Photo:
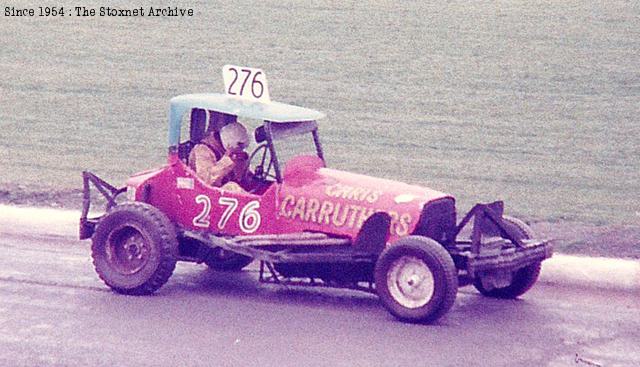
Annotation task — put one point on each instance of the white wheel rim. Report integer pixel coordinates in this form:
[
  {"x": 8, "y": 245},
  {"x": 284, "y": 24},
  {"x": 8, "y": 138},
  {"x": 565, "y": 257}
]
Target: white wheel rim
[{"x": 410, "y": 282}]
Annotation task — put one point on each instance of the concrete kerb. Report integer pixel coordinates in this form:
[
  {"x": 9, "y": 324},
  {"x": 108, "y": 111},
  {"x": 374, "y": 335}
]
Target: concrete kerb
[
  {"x": 39, "y": 221},
  {"x": 561, "y": 270},
  {"x": 591, "y": 272}
]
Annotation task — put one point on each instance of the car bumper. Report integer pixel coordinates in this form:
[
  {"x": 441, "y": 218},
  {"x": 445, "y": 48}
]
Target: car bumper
[{"x": 510, "y": 258}]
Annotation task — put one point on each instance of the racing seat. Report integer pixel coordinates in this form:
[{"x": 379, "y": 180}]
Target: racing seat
[
  {"x": 196, "y": 133},
  {"x": 198, "y": 129}
]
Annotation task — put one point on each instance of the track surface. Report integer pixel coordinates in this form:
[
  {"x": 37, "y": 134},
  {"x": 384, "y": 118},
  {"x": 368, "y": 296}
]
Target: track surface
[{"x": 55, "y": 311}]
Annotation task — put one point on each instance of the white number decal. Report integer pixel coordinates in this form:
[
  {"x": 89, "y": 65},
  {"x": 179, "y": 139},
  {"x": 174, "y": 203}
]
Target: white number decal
[
  {"x": 237, "y": 80},
  {"x": 250, "y": 217},
  {"x": 231, "y": 204},
  {"x": 202, "y": 219},
  {"x": 249, "y": 220}
]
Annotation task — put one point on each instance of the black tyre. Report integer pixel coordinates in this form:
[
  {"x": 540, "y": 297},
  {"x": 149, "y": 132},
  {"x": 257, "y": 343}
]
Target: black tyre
[
  {"x": 524, "y": 278},
  {"x": 416, "y": 279},
  {"x": 134, "y": 249},
  {"x": 222, "y": 260}
]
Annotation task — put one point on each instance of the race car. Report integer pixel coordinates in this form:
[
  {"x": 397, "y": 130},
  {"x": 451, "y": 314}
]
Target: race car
[{"x": 303, "y": 222}]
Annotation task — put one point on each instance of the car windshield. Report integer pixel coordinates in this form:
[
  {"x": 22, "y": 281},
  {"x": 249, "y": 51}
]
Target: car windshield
[
  {"x": 291, "y": 139},
  {"x": 294, "y": 146}
]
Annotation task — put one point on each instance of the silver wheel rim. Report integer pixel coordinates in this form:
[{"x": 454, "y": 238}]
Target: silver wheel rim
[{"x": 410, "y": 282}]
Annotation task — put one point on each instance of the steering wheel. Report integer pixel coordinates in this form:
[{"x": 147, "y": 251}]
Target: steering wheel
[{"x": 260, "y": 171}]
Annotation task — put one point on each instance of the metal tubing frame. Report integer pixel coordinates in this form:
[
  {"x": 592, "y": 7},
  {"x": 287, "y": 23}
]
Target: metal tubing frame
[
  {"x": 108, "y": 191},
  {"x": 486, "y": 212},
  {"x": 256, "y": 249},
  {"x": 273, "y": 278},
  {"x": 272, "y": 151}
]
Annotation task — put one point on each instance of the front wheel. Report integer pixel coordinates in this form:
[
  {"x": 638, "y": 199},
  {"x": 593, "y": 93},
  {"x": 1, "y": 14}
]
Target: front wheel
[
  {"x": 416, "y": 279},
  {"x": 134, "y": 248},
  {"x": 524, "y": 278}
]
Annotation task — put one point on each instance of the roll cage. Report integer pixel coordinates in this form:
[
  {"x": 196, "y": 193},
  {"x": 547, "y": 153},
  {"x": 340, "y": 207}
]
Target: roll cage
[{"x": 279, "y": 121}]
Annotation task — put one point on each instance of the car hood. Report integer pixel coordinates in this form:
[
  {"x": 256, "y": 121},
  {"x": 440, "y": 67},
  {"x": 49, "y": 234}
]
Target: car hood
[{"x": 342, "y": 201}]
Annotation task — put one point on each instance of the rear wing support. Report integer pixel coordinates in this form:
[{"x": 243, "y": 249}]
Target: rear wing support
[{"x": 108, "y": 191}]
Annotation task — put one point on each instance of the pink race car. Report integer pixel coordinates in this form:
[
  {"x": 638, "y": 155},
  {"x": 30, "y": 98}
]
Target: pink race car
[{"x": 305, "y": 223}]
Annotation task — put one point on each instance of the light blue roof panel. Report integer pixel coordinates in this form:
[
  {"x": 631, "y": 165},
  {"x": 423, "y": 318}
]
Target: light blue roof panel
[{"x": 271, "y": 111}]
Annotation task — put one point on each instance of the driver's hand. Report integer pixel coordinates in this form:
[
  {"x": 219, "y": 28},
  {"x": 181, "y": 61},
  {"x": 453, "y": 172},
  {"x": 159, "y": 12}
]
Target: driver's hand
[{"x": 239, "y": 156}]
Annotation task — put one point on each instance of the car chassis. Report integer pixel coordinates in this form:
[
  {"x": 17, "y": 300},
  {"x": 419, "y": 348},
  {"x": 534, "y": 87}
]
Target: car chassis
[
  {"x": 500, "y": 257},
  {"x": 471, "y": 256}
]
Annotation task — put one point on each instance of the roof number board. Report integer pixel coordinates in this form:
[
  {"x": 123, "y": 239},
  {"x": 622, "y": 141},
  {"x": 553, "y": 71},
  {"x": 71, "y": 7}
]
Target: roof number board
[{"x": 244, "y": 82}]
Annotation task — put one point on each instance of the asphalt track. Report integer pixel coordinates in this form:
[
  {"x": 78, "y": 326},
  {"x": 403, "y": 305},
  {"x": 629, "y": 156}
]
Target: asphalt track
[{"x": 54, "y": 311}]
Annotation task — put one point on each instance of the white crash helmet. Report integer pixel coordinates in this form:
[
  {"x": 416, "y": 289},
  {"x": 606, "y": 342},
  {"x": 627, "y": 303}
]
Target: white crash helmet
[{"x": 234, "y": 137}]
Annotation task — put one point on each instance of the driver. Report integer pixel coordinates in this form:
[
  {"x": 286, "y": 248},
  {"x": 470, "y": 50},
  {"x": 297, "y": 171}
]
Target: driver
[{"x": 220, "y": 160}]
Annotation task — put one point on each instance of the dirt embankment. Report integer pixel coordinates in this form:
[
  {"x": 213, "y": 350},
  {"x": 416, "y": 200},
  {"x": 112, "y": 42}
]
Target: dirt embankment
[
  {"x": 22, "y": 195},
  {"x": 610, "y": 240}
]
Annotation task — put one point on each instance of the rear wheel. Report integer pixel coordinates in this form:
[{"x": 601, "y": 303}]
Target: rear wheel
[
  {"x": 416, "y": 279},
  {"x": 524, "y": 278},
  {"x": 134, "y": 249}
]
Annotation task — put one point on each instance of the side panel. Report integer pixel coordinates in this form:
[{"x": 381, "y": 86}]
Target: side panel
[
  {"x": 331, "y": 201},
  {"x": 310, "y": 199},
  {"x": 320, "y": 207},
  {"x": 194, "y": 205}
]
